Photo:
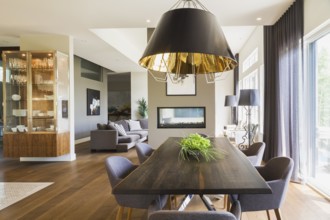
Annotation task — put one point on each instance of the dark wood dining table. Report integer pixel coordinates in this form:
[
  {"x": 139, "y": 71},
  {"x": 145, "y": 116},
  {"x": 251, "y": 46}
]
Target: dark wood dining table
[{"x": 164, "y": 172}]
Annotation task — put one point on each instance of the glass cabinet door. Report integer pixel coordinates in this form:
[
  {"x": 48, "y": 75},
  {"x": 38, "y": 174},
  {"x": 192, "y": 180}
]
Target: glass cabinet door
[
  {"x": 42, "y": 91},
  {"x": 15, "y": 80}
]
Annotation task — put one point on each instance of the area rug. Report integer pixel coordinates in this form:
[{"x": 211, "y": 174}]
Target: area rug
[{"x": 12, "y": 192}]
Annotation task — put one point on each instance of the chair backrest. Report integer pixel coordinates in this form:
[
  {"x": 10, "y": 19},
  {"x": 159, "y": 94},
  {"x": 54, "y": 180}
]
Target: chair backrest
[
  {"x": 278, "y": 168},
  {"x": 203, "y": 135},
  {"x": 118, "y": 168},
  {"x": 234, "y": 214},
  {"x": 143, "y": 151},
  {"x": 255, "y": 153}
]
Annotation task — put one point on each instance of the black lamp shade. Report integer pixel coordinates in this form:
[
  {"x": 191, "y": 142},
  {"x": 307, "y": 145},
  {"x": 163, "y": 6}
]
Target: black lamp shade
[
  {"x": 230, "y": 100},
  {"x": 187, "y": 41},
  {"x": 249, "y": 97}
]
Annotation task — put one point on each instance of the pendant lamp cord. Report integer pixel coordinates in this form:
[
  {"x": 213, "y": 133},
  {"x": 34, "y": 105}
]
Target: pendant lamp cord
[{"x": 188, "y": 4}]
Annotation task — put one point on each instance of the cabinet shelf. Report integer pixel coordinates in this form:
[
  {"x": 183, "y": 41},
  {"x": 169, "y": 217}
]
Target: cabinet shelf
[
  {"x": 45, "y": 77},
  {"x": 43, "y": 117},
  {"x": 42, "y": 99},
  {"x": 42, "y": 69}
]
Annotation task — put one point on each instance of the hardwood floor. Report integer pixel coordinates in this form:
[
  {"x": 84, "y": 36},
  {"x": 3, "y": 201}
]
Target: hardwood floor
[{"x": 81, "y": 191}]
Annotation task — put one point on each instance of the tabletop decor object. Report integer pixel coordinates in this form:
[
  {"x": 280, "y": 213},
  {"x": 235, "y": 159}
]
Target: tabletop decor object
[
  {"x": 16, "y": 97},
  {"x": 196, "y": 147}
]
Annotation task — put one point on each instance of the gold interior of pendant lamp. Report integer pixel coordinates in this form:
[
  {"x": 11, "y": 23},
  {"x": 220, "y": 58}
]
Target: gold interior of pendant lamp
[{"x": 188, "y": 40}]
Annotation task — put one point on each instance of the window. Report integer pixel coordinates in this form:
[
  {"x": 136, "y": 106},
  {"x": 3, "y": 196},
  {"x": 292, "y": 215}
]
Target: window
[
  {"x": 250, "y": 60},
  {"x": 318, "y": 70},
  {"x": 249, "y": 82},
  {"x": 91, "y": 70}
]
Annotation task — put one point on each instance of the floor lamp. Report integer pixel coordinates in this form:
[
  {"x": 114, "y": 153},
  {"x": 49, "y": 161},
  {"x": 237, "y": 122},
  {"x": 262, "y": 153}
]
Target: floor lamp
[
  {"x": 231, "y": 101},
  {"x": 248, "y": 98}
]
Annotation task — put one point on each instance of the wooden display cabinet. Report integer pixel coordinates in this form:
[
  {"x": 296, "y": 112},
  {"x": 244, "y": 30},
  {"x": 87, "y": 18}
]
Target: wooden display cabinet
[{"x": 35, "y": 84}]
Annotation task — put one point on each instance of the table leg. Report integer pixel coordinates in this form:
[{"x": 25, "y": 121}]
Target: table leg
[
  {"x": 185, "y": 202},
  {"x": 208, "y": 203}
]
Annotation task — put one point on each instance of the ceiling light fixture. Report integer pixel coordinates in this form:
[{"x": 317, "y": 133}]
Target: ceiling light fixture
[{"x": 187, "y": 40}]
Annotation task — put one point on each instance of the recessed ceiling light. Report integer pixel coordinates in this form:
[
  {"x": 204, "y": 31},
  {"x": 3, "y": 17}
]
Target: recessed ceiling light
[
  {"x": 148, "y": 21},
  {"x": 259, "y": 19}
]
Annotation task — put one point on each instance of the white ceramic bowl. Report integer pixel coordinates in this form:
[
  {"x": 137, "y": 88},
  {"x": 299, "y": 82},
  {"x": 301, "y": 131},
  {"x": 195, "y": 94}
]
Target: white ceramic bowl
[
  {"x": 16, "y": 97},
  {"x": 14, "y": 129}
]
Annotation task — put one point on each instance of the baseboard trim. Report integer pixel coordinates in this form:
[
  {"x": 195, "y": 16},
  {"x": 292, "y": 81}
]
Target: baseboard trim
[{"x": 82, "y": 140}]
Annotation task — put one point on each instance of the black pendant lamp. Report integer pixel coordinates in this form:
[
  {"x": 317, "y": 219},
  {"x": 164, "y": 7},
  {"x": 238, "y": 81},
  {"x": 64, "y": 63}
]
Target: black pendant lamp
[{"x": 188, "y": 41}]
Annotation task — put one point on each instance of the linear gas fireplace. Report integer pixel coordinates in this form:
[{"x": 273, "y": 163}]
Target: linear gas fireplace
[{"x": 181, "y": 117}]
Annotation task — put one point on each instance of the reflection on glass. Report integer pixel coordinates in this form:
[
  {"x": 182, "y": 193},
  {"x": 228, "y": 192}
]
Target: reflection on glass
[{"x": 320, "y": 163}]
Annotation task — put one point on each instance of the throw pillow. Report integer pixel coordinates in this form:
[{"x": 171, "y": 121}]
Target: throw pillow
[
  {"x": 111, "y": 126},
  {"x": 101, "y": 126},
  {"x": 134, "y": 125},
  {"x": 121, "y": 130}
]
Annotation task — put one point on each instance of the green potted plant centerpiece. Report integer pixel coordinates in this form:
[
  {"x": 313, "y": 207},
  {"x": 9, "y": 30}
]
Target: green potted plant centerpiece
[{"x": 194, "y": 146}]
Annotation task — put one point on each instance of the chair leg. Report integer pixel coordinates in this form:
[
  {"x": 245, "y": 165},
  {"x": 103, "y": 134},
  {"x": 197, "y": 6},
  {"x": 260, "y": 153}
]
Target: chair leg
[
  {"x": 278, "y": 214},
  {"x": 129, "y": 213},
  {"x": 227, "y": 202},
  {"x": 268, "y": 215},
  {"x": 175, "y": 201},
  {"x": 169, "y": 202},
  {"x": 120, "y": 213}
]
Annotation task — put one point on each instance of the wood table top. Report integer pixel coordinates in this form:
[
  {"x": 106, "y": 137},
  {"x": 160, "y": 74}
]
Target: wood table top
[{"x": 165, "y": 173}]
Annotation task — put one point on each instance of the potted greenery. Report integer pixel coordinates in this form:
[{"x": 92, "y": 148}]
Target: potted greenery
[
  {"x": 143, "y": 108},
  {"x": 194, "y": 146}
]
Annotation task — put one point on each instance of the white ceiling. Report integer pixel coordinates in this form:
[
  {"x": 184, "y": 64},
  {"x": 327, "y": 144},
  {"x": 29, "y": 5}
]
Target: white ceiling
[{"x": 113, "y": 33}]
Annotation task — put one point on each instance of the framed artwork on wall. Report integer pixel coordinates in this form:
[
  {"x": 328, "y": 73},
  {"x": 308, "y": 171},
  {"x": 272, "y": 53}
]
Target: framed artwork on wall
[
  {"x": 186, "y": 87},
  {"x": 93, "y": 102}
]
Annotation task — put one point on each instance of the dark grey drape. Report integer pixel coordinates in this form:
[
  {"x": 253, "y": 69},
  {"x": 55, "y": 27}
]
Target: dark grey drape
[{"x": 283, "y": 43}]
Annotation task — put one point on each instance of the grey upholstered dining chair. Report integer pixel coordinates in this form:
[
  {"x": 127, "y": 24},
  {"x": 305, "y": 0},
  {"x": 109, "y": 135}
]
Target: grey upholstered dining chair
[
  {"x": 203, "y": 135},
  {"x": 118, "y": 168},
  {"x": 143, "y": 151},
  {"x": 277, "y": 173},
  {"x": 255, "y": 153},
  {"x": 234, "y": 214}
]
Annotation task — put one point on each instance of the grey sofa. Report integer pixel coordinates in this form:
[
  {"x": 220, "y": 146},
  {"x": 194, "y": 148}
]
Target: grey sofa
[{"x": 106, "y": 137}]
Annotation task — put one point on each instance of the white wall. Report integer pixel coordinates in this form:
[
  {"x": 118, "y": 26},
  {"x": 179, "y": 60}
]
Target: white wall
[
  {"x": 316, "y": 12},
  {"x": 85, "y": 123},
  {"x": 223, "y": 114},
  {"x": 139, "y": 89},
  {"x": 157, "y": 98}
]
